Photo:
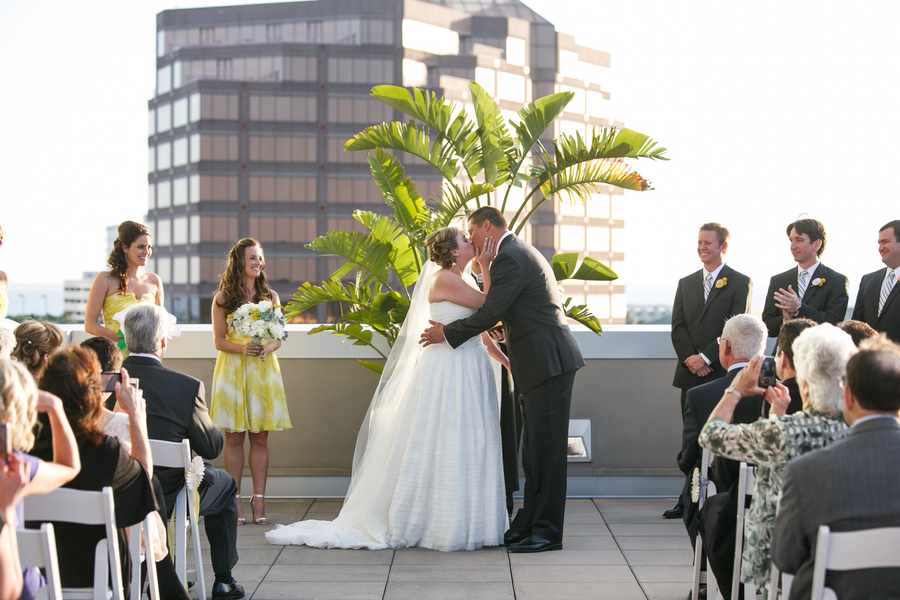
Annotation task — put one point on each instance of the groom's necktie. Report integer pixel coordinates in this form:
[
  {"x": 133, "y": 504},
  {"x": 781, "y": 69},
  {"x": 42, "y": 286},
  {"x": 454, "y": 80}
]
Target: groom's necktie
[
  {"x": 886, "y": 288},
  {"x": 801, "y": 284},
  {"x": 707, "y": 286}
]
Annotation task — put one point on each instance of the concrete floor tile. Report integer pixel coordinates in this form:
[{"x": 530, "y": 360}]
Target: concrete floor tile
[
  {"x": 643, "y": 542},
  {"x": 583, "y": 517},
  {"x": 577, "y": 529},
  {"x": 333, "y": 573},
  {"x": 447, "y": 574},
  {"x": 571, "y": 574},
  {"x": 589, "y": 542},
  {"x": 580, "y": 506},
  {"x": 422, "y": 556},
  {"x": 278, "y": 590},
  {"x": 257, "y": 556},
  {"x": 663, "y": 574},
  {"x": 569, "y": 557},
  {"x": 568, "y": 591},
  {"x": 656, "y": 529},
  {"x": 659, "y": 557},
  {"x": 304, "y": 555},
  {"x": 666, "y": 591},
  {"x": 637, "y": 516},
  {"x": 449, "y": 591}
]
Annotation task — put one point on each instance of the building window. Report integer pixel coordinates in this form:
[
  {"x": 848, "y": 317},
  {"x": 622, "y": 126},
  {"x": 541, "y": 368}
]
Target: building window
[
  {"x": 598, "y": 239},
  {"x": 218, "y": 229},
  {"x": 283, "y": 189},
  {"x": 163, "y": 156},
  {"x": 619, "y": 306},
  {"x": 218, "y": 147},
  {"x": 282, "y": 149},
  {"x": 429, "y": 38},
  {"x": 296, "y": 230},
  {"x": 179, "y": 113},
  {"x": 164, "y": 194},
  {"x": 194, "y": 101},
  {"x": 164, "y": 81},
  {"x": 160, "y": 43},
  {"x": 151, "y": 159},
  {"x": 415, "y": 73},
  {"x": 486, "y": 79},
  {"x": 195, "y": 148},
  {"x": 180, "y": 152},
  {"x": 207, "y": 36},
  {"x": 273, "y": 32},
  {"x": 151, "y": 122},
  {"x": 164, "y": 269},
  {"x": 151, "y": 196},
  {"x": 282, "y": 108},
  {"x": 224, "y": 68},
  {"x": 179, "y": 191},
  {"x": 516, "y": 51},
  {"x": 577, "y": 104},
  {"x": 599, "y": 305},
  {"x": 180, "y": 232},
  {"x": 180, "y": 270},
  {"x": 219, "y": 106},
  {"x": 194, "y": 277},
  {"x": 571, "y": 237},
  {"x": 163, "y": 235},
  {"x": 194, "y": 189},
  {"x": 176, "y": 75},
  {"x": 163, "y": 118},
  {"x": 194, "y": 229}
]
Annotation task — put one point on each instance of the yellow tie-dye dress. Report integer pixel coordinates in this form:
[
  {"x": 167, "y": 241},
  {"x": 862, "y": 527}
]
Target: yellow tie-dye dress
[
  {"x": 118, "y": 302},
  {"x": 247, "y": 392},
  {"x": 4, "y": 304}
]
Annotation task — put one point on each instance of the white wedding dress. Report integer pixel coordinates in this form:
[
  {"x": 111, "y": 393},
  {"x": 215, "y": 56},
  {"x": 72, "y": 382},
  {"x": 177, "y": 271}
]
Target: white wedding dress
[{"x": 430, "y": 471}]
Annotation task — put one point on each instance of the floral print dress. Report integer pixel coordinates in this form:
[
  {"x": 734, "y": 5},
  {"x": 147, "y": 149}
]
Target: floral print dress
[{"x": 770, "y": 444}]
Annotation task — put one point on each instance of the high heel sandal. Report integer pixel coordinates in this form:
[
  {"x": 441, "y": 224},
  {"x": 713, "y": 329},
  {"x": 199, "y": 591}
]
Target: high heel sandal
[
  {"x": 241, "y": 520},
  {"x": 261, "y": 520}
]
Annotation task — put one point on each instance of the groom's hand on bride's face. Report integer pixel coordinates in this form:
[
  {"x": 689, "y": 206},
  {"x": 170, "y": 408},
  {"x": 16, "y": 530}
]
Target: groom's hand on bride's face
[{"x": 432, "y": 335}]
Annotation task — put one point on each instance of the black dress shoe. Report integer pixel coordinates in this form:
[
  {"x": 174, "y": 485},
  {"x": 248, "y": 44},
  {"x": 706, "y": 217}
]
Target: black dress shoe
[
  {"x": 675, "y": 513},
  {"x": 227, "y": 590},
  {"x": 701, "y": 593},
  {"x": 514, "y": 537},
  {"x": 534, "y": 543}
]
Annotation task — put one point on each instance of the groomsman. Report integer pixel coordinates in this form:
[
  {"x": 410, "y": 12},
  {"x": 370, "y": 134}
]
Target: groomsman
[
  {"x": 811, "y": 289},
  {"x": 876, "y": 302},
  {"x": 703, "y": 302}
]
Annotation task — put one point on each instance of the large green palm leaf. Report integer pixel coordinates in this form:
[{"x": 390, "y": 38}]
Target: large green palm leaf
[
  {"x": 407, "y": 137},
  {"x": 496, "y": 145},
  {"x": 401, "y": 194},
  {"x": 403, "y": 258},
  {"x": 361, "y": 249},
  {"x": 454, "y": 199}
]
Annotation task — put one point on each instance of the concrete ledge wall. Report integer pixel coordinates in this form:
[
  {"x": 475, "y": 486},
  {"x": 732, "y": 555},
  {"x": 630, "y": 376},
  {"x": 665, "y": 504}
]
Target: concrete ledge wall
[{"x": 625, "y": 390}]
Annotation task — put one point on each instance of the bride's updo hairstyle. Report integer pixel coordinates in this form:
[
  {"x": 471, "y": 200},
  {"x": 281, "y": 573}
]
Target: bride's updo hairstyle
[
  {"x": 118, "y": 264},
  {"x": 439, "y": 244}
]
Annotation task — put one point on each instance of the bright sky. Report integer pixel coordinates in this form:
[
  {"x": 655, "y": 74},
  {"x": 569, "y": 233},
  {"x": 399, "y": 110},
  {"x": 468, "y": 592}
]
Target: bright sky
[{"x": 769, "y": 110}]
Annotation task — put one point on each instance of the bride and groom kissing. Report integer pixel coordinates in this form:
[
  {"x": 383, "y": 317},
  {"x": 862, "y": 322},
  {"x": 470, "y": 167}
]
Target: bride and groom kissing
[{"x": 427, "y": 466}]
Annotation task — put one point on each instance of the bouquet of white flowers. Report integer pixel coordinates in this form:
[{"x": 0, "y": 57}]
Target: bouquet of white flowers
[{"x": 264, "y": 322}]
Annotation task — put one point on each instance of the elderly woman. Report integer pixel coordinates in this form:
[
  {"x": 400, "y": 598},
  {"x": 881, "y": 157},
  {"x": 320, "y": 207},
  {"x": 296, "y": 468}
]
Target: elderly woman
[{"x": 820, "y": 356}]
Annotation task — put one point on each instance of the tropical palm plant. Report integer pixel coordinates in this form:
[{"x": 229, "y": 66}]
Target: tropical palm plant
[{"x": 476, "y": 159}]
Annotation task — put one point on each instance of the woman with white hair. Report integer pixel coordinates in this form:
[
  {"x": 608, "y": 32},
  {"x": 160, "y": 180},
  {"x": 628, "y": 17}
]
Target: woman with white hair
[{"x": 820, "y": 357}]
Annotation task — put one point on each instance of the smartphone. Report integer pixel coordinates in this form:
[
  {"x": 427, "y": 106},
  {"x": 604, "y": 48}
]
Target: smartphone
[
  {"x": 5, "y": 441},
  {"x": 109, "y": 379},
  {"x": 767, "y": 373},
  {"x": 497, "y": 327}
]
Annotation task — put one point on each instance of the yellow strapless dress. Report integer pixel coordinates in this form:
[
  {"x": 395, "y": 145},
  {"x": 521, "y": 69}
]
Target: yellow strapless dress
[
  {"x": 4, "y": 304},
  {"x": 247, "y": 393},
  {"x": 117, "y": 302}
]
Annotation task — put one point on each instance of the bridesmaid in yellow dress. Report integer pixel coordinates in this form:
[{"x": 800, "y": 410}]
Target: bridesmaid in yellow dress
[
  {"x": 247, "y": 389},
  {"x": 125, "y": 284},
  {"x": 4, "y": 287}
]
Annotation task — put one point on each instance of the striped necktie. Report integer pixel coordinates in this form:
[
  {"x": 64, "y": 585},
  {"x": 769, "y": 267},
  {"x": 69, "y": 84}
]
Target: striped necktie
[
  {"x": 707, "y": 286},
  {"x": 886, "y": 288},
  {"x": 801, "y": 284}
]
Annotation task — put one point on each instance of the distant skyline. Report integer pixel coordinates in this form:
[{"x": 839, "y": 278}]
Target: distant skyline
[{"x": 769, "y": 110}]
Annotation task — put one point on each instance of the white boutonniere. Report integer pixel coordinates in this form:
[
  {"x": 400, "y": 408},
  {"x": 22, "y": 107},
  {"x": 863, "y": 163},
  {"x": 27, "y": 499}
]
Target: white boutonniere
[
  {"x": 695, "y": 486},
  {"x": 194, "y": 475},
  {"x": 818, "y": 282},
  {"x": 722, "y": 282}
]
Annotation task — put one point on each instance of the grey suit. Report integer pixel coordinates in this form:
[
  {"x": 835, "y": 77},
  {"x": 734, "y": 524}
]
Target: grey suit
[
  {"x": 544, "y": 356},
  {"x": 825, "y": 303},
  {"x": 851, "y": 485},
  {"x": 176, "y": 410},
  {"x": 866, "y": 309}
]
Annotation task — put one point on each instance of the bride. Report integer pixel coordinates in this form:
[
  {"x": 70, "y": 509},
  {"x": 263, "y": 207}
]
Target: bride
[{"x": 427, "y": 468}]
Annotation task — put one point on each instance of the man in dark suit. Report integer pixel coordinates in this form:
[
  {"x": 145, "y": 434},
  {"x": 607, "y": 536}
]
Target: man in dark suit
[
  {"x": 704, "y": 300},
  {"x": 809, "y": 290},
  {"x": 876, "y": 301},
  {"x": 851, "y": 485},
  {"x": 784, "y": 360},
  {"x": 176, "y": 410},
  {"x": 544, "y": 357},
  {"x": 743, "y": 337}
]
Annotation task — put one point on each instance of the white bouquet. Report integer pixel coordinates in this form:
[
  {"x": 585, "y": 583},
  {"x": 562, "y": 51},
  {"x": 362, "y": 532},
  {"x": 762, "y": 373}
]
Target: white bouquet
[{"x": 264, "y": 322}]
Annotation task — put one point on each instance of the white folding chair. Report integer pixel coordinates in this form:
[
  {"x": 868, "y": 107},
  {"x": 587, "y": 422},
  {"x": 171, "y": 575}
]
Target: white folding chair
[
  {"x": 851, "y": 550},
  {"x": 85, "y": 508},
  {"x": 178, "y": 455},
  {"x": 786, "y": 580},
  {"x": 134, "y": 548},
  {"x": 37, "y": 548},
  {"x": 707, "y": 488},
  {"x": 746, "y": 483}
]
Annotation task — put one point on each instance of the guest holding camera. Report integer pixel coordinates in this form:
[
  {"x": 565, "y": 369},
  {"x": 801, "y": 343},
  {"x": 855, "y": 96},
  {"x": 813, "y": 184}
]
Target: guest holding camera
[
  {"x": 247, "y": 390},
  {"x": 820, "y": 355},
  {"x": 124, "y": 285}
]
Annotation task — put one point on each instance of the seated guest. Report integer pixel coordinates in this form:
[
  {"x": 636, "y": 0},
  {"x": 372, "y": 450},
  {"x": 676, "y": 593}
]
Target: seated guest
[
  {"x": 14, "y": 474},
  {"x": 35, "y": 342},
  {"x": 118, "y": 425},
  {"x": 857, "y": 330},
  {"x": 821, "y": 354},
  {"x": 177, "y": 410},
  {"x": 73, "y": 375},
  {"x": 743, "y": 337},
  {"x": 20, "y": 402},
  {"x": 784, "y": 360},
  {"x": 851, "y": 485},
  {"x": 7, "y": 342}
]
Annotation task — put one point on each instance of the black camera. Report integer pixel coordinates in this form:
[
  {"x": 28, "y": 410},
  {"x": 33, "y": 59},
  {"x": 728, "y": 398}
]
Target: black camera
[{"x": 767, "y": 373}]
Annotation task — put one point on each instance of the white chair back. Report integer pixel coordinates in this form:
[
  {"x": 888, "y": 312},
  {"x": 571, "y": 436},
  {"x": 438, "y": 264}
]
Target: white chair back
[
  {"x": 178, "y": 455},
  {"x": 85, "y": 508},
  {"x": 134, "y": 549},
  {"x": 746, "y": 483},
  {"x": 37, "y": 548},
  {"x": 852, "y": 550},
  {"x": 707, "y": 488}
]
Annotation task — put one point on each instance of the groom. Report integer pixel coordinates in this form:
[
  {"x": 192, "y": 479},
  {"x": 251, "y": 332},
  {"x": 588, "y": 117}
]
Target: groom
[{"x": 544, "y": 357}]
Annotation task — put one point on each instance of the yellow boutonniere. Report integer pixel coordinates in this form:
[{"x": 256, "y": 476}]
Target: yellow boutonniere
[
  {"x": 819, "y": 282},
  {"x": 722, "y": 282}
]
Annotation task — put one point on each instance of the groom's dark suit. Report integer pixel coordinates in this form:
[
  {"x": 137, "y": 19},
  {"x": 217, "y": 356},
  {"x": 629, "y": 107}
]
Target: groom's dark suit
[
  {"x": 826, "y": 303},
  {"x": 866, "y": 309},
  {"x": 544, "y": 357},
  {"x": 176, "y": 410}
]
